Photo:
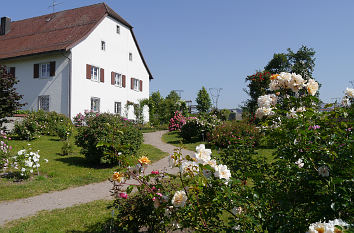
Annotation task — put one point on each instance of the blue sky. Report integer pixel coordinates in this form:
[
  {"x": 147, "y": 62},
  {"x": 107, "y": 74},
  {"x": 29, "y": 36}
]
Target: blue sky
[{"x": 193, "y": 43}]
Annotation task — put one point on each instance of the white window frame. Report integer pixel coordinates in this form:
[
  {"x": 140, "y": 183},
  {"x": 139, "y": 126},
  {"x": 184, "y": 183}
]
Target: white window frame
[
  {"x": 136, "y": 83},
  {"x": 103, "y": 45},
  {"x": 130, "y": 56},
  {"x": 44, "y": 70},
  {"x": 40, "y": 103},
  {"x": 118, "y": 81},
  {"x": 97, "y": 101},
  {"x": 95, "y": 73},
  {"x": 118, "y": 29},
  {"x": 118, "y": 110}
]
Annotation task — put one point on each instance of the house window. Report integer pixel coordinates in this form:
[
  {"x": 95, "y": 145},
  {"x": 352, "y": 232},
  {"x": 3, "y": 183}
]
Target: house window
[
  {"x": 130, "y": 57},
  {"x": 135, "y": 84},
  {"x": 44, "y": 70},
  {"x": 43, "y": 103},
  {"x": 118, "y": 29},
  {"x": 103, "y": 46},
  {"x": 95, "y": 73},
  {"x": 95, "y": 104},
  {"x": 118, "y": 80},
  {"x": 117, "y": 108}
]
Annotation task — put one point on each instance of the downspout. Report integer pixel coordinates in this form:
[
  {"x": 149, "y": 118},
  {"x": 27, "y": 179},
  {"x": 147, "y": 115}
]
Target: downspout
[{"x": 69, "y": 84}]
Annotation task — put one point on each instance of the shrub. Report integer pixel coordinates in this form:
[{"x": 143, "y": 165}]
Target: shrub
[
  {"x": 26, "y": 129},
  {"x": 197, "y": 128},
  {"x": 108, "y": 138},
  {"x": 234, "y": 133},
  {"x": 202, "y": 197},
  {"x": 44, "y": 123},
  {"x": 176, "y": 122},
  {"x": 5, "y": 150}
]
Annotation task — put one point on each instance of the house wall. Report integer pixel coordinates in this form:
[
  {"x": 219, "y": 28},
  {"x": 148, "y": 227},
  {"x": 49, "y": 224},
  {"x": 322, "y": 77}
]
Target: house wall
[
  {"x": 56, "y": 87},
  {"x": 115, "y": 58}
]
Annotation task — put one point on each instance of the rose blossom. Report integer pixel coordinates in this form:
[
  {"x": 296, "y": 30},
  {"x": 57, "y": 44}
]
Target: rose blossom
[
  {"x": 179, "y": 199},
  {"x": 312, "y": 87},
  {"x": 349, "y": 92},
  {"x": 222, "y": 172}
]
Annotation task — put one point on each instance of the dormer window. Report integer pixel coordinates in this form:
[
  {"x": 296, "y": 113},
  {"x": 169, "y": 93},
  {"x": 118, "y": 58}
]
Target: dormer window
[
  {"x": 130, "y": 57},
  {"x": 103, "y": 46},
  {"x": 118, "y": 29}
]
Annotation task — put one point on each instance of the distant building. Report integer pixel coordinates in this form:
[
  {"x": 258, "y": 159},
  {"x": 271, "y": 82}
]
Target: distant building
[{"x": 73, "y": 60}]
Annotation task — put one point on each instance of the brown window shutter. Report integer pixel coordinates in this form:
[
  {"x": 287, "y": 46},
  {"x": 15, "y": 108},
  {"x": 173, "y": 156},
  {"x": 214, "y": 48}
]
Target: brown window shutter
[
  {"x": 141, "y": 85},
  {"x": 52, "y": 68},
  {"x": 13, "y": 71},
  {"x": 132, "y": 83},
  {"x": 88, "y": 71},
  {"x": 36, "y": 71},
  {"x": 112, "y": 78},
  {"x": 102, "y": 75},
  {"x": 123, "y": 80}
]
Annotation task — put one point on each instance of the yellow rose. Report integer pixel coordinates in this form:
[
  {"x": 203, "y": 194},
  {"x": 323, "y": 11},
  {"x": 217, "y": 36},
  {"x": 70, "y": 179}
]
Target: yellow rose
[
  {"x": 144, "y": 160},
  {"x": 274, "y": 76},
  {"x": 118, "y": 177}
]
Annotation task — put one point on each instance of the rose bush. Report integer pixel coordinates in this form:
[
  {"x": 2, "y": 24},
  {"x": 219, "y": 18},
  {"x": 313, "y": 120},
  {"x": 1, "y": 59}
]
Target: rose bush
[
  {"x": 108, "y": 138},
  {"x": 202, "y": 197},
  {"x": 311, "y": 176}
]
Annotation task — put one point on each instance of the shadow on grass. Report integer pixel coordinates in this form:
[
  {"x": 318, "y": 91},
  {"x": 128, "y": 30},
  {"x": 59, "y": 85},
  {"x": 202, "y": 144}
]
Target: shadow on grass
[
  {"x": 80, "y": 162},
  {"x": 106, "y": 226}
]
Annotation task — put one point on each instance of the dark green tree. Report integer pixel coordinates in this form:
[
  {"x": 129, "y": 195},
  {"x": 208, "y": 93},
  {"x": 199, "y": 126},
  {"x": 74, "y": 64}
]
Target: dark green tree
[
  {"x": 302, "y": 62},
  {"x": 9, "y": 98},
  {"x": 203, "y": 101},
  {"x": 279, "y": 63}
]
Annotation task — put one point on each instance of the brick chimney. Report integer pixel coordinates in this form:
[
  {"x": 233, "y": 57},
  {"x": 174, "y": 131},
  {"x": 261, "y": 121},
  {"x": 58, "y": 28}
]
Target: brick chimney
[{"x": 5, "y": 25}]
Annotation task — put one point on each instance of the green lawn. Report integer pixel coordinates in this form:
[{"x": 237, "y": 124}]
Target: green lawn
[
  {"x": 89, "y": 217},
  {"x": 174, "y": 139},
  {"x": 60, "y": 172}
]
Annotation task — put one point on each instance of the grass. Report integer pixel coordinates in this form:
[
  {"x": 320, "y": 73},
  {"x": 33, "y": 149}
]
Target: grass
[
  {"x": 89, "y": 217},
  {"x": 174, "y": 139},
  {"x": 60, "y": 172}
]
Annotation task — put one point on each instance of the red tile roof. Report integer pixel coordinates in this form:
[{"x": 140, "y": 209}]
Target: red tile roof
[{"x": 58, "y": 31}]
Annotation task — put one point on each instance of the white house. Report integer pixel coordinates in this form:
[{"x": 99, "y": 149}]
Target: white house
[{"x": 75, "y": 60}]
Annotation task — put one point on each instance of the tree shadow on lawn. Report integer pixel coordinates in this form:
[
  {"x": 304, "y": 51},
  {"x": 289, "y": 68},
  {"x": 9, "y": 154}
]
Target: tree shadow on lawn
[
  {"x": 100, "y": 227},
  {"x": 80, "y": 162}
]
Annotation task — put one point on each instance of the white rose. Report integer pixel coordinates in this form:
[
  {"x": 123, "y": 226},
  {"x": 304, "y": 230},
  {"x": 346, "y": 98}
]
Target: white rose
[
  {"x": 345, "y": 102},
  {"x": 189, "y": 166},
  {"x": 349, "y": 92},
  {"x": 202, "y": 155},
  {"x": 179, "y": 199},
  {"x": 222, "y": 172},
  {"x": 274, "y": 85},
  {"x": 312, "y": 87},
  {"x": 299, "y": 163},
  {"x": 284, "y": 79},
  {"x": 296, "y": 82}
]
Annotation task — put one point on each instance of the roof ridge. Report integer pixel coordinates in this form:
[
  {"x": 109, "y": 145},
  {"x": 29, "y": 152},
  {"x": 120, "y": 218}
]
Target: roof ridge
[{"x": 51, "y": 14}]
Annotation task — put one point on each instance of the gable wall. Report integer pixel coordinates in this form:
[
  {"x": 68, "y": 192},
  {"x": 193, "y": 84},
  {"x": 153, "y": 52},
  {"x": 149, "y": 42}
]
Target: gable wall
[
  {"x": 115, "y": 58},
  {"x": 56, "y": 87}
]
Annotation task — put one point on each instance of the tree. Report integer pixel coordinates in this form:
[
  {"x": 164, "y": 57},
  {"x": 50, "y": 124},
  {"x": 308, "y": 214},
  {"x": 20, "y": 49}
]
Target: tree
[
  {"x": 9, "y": 98},
  {"x": 203, "y": 101},
  {"x": 302, "y": 62},
  {"x": 279, "y": 63}
]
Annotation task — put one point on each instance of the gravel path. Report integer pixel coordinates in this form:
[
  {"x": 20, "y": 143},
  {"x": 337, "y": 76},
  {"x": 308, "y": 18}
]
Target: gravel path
[{"x": 11, "y": 210}]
